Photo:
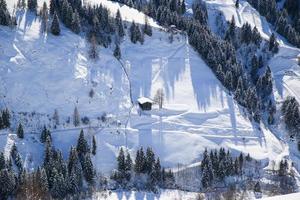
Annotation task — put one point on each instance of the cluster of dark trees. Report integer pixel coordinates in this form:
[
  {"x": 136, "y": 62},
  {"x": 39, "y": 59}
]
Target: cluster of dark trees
[
  {"x": 101, "y": 27},
  {"x": 285, "y": 178},
  {"x": 244, "y": 35},
  {"x": 291, "y": 116},
  {"x": 4, "y": 119},
  {"x": 285, "y": 20},
  {"x": 5, "y": 18},
  {"x": 56, "y": 178},
  {"x": 248, "y": 43},
  {"x": 217, "y": 165},
  {"x": 67, "y": 11},
  {"x": 7, "y": 177},
  {"x": 145, "y": 173},
  {"x": 32, "y": 5},
  {"x": 20, "y": 131}
]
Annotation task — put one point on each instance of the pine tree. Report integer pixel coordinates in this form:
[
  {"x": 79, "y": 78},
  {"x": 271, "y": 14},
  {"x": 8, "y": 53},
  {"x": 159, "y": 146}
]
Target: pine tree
[
  {"x": 257, "y": 187},
  {"x": 273, "y": 44},
  {"x": 183, "y": 7},
  {"x": 32, "y": 5},
  {"x": 119, "y": 24},
  {"x": 237, "y": 4},
  {"x": 93, "y": 52},
  {"x": 139, "y": 166},
  {"x": 16, "y": 157},
  {"x": 230, "y": 34},
  {"x": 121, "y": 161},
  {"x": 117, "y": 52},
  {"x": 6, "y": 118},
  {"x": 254, "y": 68},
  {"x": 7, "y": 183},
  {"x": 56, "y": 117},
  {"x": 43, "y": 181},
  {"x": 94, "y": 146},
  {"x": 76, "y": 117},
  {"x": 156, "y": 174},
  {"x": 55, "y": 27},
  {"x": 147, "y": 28},
  {"x": 135, "y": 34},
  {"x": 74, "y": 170},
  {"x": 82, "y": 145},
  {"x": 239, "y": 92},
  {"x": 128, "y": 162},
  {"x": 45, "y": 17},
  {"x": 76, "y": 22},
  {"x": 58, "y": 189},
  {"x": 53, "y": 7},
  {"x": 88, "y": 169},
  {"x": 45, "y": 134},
  {"x": 207, "y": 176},
  {"x": 2, "y": 161},
  {"x": 1, "y": 122},
  {"x": 150, "y": 160},
  {"x": 20, "y": 131}
]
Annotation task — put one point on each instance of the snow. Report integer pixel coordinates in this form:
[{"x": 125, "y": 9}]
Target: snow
[
  {"x": 40, "y": 73},
  {"x": 143, "y": 100},
  {"x": 136, "y": 195},
  {"x": 293, "y": 196},
  {"x": 127, "y": 13}
]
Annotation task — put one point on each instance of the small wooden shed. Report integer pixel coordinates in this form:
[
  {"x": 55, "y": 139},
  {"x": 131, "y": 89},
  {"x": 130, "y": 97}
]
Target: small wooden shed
[{"x": 145, "y": 103}]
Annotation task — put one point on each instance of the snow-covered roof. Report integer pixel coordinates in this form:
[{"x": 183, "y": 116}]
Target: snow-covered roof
[{"x": 143, "y": 100}]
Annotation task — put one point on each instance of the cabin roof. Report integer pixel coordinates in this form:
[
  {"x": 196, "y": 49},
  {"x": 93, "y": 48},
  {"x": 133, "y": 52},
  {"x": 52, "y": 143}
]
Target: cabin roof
[{"x": 143, "y": 100}]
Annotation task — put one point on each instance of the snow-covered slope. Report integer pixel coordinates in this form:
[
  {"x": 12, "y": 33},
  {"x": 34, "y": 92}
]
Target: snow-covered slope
[
  {"x": 293, "y": 196},
  {"x": 41, "y": 73},
  {"x": 284, "y": 66}
]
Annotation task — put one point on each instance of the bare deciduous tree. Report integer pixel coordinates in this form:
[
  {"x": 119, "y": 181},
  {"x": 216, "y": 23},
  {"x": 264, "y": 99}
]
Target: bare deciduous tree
[{"x": 159, "y": 97}]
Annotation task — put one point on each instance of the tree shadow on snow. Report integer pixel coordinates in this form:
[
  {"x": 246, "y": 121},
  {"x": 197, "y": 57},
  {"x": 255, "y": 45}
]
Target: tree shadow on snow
[
  {"x": 28, "y": 18},
  {"x": 204, "y": 86}
]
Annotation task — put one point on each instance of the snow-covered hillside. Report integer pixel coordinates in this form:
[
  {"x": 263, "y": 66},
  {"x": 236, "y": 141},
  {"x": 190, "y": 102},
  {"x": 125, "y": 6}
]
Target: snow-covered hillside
[
  {"x": 41, "y": 73},
  {"x": 284, "y": 64}
]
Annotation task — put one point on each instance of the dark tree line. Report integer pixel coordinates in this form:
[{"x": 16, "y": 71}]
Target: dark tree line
[
  {"x": 56, "y": 178},
  {"x": 32, "y": 5},
  {"x": 217, "y": 165},
  {"x": 5, "y": 18},
  {"x": 291, "y": 116},
  {"x": 66, "y": 177},
  {"x": 144, "y": 173},
  {"x": 4, "y": 119},
  {"x": 286, "y": 20}
]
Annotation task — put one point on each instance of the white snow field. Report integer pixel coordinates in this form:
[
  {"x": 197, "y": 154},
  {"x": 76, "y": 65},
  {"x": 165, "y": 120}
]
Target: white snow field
[
  {"x": 40, "y": 73},
  {"x": 293, "y": 196},
  {"x": 136, "y": 195}
]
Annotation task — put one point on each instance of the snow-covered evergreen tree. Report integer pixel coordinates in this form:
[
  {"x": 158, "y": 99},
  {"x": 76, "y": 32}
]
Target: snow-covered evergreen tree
[
  {"x": 20, "y": 131},
  {"x": 82, "y": 144},
  {"x": 55, "y": 27},
  {"x": 76, "y": 117}
]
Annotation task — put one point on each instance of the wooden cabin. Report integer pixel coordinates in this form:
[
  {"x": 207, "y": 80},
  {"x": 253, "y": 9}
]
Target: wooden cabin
[{"x": 145, "y": 103}]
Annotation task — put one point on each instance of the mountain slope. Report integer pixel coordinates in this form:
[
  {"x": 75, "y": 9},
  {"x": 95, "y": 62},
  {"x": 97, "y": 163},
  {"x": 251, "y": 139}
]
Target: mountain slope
[{"x": 41, "y": 73}]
